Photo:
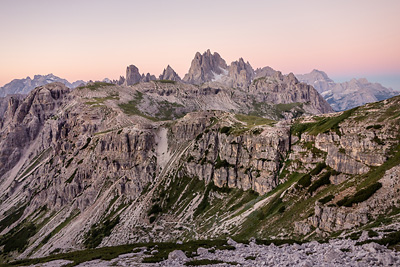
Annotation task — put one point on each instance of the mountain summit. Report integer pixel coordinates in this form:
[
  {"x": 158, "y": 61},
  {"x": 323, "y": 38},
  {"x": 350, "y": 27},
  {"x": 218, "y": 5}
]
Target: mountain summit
[
  {"x": 212, "y": 68},
  {"x": 205, "y": 68},
  {"x": 170, "y": 74}
]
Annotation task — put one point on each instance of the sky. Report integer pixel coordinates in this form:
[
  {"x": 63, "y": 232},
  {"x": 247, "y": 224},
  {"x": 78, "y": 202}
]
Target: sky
[{"x": 94, "y": 39}]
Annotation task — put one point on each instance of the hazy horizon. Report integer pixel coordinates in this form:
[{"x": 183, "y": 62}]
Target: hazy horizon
[{"x": 92, "y": 40}]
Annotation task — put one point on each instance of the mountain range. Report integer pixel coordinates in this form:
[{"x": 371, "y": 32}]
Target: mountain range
[
  {"x": 227, "y": 152},
  {"x": 346, "y": 95},
  {"x": 24, "y": 86},
  {"x": 211, "y": 68}
]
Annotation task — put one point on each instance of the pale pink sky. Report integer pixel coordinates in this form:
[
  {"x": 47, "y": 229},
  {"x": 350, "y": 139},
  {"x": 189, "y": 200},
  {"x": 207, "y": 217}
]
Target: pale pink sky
[{"x": 94, "y": 39}]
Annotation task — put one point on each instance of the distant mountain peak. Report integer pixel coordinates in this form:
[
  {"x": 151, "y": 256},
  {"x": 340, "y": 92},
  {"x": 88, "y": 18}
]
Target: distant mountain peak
[
  {"x": 25, "y": 85},
  {"x": 346, "y": 95}
]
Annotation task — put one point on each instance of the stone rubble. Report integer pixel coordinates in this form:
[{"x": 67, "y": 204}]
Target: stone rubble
[{"x": 334, "y": 253}]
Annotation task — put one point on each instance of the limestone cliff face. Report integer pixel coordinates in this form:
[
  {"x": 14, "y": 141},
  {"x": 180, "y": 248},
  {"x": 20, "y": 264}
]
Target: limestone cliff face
[
  {"x": 331, "y": 219},
  {"x": 55, "y": 155},
  {"x": 7, "y": 101},
  {"x": 246, "y": 162},
  {"x": 284, "y": 89},
  {"x": 358, "y": 151},
  {"x": 24, "y": 120}
]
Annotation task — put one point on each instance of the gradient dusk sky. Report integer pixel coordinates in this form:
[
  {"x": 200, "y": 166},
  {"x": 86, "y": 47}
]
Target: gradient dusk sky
[{"x": 94, "y": 39}]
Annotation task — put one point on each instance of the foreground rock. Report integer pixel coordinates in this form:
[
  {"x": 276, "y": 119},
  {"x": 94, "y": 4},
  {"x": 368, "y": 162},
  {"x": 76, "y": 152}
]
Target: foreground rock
[{"x": 334, "y": 253}]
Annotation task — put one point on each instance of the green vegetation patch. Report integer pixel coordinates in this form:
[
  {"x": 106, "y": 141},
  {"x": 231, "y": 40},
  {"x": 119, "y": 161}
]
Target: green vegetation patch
[
  {"x": 13, "y": 216},
  {"x": 69, "y": 162},
  {"x": 155, "y": 209},
  {"x": 181, "y": 188},
  {"x": 131, "y": 108},
  {"x": 204, "y": 204},
  {"x": 165, "y": 81},
  {"x": 273, "y": 207},
  {"x": 18, "y": 238},
  {"x": 390, "y": 112},
  {"x": 253, "y": 120},
  {"x": 331, "y": 123},
  {"x": 222, "y": 163},
  {"x": 225, "y": 130},
  {"x": 96, "y": 85},
  {"x": 320, "y": 166},
  {"x": 372, "y": 233},
  {"x": 190, "y": 248},
  {"x": 245, "y": 198},
  {"x": 377, "y": 140},
  {"x": 88, "y": 140},
  {"x": 390, "y": 239},
  {"x": 324, "y": 180},
  {"x": 376, "y": 126},
  {"x": 98, "y": 231},
  {"x": 305, "y": 180},
  {"x": 96, "y": 101},
  {"x": 77, "y": 257},
  {"x": 168, "y": 111},
  {"x": 288, "y": 107},
  {"x": 276, "y": 111},
  {"x": 360, "y": 196},
  {"x": 355, "y": 235},
  {"x": 259, "y": 79},
  {"x": 71, "y": 178},
  {"x": 317, "y": 152},
  {"x": 324, "y": 125},
  {"x": 299, "y": 128},
  {"x": 326, "y": 199}
]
